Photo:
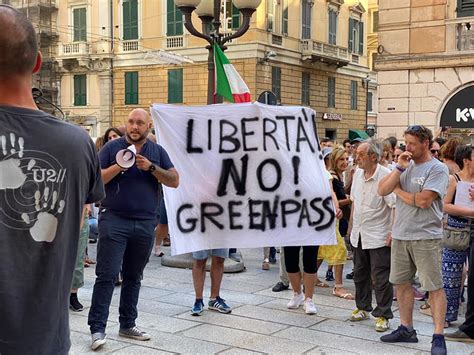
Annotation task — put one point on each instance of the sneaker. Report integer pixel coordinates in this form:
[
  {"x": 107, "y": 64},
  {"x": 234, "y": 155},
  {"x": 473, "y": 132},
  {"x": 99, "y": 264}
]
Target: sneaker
[
  {"x": 280, "y": 286},
  {"x": 98, "y": 339},
  {"x": 197, "y": 308},
  {"x": 459, "y": 335},
  {"x": 438, "y": 345},
  {"x": 400, "y": 335},
  {"x": 329, "y": 275},
  {"x": 382, "y": 324},
  {"x": 265, "y": 265},
  {"x": 309, "y": 307},
  {"x": 75, "y": 305},
  {"x": 134, "y": 333},
  {"x": 350, "y": 276},
  {"x": 358, "y": 315},
  {"x": 219, "y": 305},
  {"x": 296, "y": 301}
]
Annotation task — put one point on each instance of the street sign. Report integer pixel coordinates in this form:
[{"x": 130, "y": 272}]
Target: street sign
[{"x": 268, "y": 98}]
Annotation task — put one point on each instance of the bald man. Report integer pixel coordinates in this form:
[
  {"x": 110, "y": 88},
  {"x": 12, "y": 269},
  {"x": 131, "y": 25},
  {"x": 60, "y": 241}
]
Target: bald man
[
  {"x": 127, "y": 219},
  {"x": 44, "y": 184}
]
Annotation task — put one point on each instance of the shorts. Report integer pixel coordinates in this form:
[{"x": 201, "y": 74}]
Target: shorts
[
  {"x": 163, "y": 216},
  {"x": 204, "y": 254},
  {"x": 410, "y": 256}
]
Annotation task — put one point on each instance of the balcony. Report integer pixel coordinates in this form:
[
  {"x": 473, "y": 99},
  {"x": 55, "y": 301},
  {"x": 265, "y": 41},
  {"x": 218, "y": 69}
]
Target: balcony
[
  {"x": 174, "y": 42},
  {"x": 73, "y": 50},
  {"x": 464, "y": 36},
  {"x": 325, "y": 53},
  {"x": 129, "y": 46}
]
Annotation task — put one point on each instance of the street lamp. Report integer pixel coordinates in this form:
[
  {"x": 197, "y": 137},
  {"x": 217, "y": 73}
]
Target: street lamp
[{"x": 209, "y": 12}]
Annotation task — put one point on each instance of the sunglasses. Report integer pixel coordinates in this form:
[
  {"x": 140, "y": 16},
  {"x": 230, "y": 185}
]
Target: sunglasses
[{"x": 434, "y": 151}]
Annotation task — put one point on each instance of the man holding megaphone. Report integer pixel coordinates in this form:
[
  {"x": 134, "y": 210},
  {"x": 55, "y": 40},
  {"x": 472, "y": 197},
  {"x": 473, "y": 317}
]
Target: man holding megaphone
[{"x": 132, "y": 168}]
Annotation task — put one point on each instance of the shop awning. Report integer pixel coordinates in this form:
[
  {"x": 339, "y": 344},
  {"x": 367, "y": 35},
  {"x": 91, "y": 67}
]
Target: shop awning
[{"x": 357, "y": 133}]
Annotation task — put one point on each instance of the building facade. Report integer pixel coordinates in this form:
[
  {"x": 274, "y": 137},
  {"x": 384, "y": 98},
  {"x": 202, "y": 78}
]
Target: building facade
[
  {"x": 312, "y": 52},
  {"x": 43, "y": 14},
  {"x": 425, "y": 65}
]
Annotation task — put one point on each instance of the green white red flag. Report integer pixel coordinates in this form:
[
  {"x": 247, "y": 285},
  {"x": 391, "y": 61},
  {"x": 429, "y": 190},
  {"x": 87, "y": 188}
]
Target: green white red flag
[{"x": 228, "y": 82}]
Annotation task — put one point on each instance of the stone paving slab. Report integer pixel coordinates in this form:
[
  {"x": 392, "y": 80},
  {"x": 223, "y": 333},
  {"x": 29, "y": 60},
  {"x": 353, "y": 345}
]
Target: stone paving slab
[
  {"x": 235, "y": 322},
  {"x": 238, "y": 351},
  {"x": 288, "y": 317},
  {"x": 247, "y": 340},
  {"x": 140, "y": 350},
  {"x": 187, "y": 300},
  {"x": 81, "y": 345},
  {"x": 239, "y": 297}
]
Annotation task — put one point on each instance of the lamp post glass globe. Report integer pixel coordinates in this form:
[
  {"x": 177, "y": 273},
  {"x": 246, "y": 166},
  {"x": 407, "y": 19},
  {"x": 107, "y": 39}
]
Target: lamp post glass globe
[
  {"x": 187, "y": 3},
  {"x": 246, "y": 4},
  {"x": 205, "y": 8}
]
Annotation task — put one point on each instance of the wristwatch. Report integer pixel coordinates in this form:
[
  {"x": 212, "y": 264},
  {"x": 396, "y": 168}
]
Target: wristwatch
[{"x": 152, "y": 168}]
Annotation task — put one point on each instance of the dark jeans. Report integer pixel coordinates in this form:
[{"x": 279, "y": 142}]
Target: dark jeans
[
  {"x": 371, "y": 272},
  {"x": 468, "y": 325},
  {"x": 122, "y": 242}
]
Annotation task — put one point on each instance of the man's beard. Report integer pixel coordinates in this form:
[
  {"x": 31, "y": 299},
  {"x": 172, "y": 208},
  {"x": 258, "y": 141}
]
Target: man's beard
[{"x": 140, "y": 139}]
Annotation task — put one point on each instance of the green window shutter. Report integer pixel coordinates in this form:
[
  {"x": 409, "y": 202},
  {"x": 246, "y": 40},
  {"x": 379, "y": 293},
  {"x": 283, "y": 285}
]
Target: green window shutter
[
  {"x": 130, "y": 19},
  {"x": 351, "y": 38},
  {"x": 276, "y": 82},
  {"x": 284, "y": 30},
  {"x": 370, "y": 97},
  {"x": 361, "y": 38},
  {"x": 306, "y": 20},
  {"x": 465, "y": 8},
  {"x": 80, "y": 90},
  {"x": 332, "y": 27},
  {"x": 305, "y": 88},
  {"x": 353, "y": 95},
  {"x": 131, "y": 88},
  {"x": 175, "y": 86},
  {"x": 235, "y": 18},
  {"x": 331, "y": 92},
  {"x": 80, "y": 25},
  {"x": 174, "y": 19}
]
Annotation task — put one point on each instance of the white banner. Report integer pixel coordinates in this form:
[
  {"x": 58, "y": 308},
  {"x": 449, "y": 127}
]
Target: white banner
[{"x": 251, "y": 175}]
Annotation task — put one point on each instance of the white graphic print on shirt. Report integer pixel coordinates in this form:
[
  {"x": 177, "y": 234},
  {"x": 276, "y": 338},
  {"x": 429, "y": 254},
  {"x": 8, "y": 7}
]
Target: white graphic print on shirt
[{"x": 33, "y": 185}]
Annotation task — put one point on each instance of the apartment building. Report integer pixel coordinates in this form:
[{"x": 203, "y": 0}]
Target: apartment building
[
  {"x": 43, "y": 14},
  {"x": 137, "y": 52},
  {"x": 426, "y": 65}
]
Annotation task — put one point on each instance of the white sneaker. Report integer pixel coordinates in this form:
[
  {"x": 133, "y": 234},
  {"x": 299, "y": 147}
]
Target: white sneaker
[
  {"x": 309, "y": 306},
  {"x": 296, "y": 301}
]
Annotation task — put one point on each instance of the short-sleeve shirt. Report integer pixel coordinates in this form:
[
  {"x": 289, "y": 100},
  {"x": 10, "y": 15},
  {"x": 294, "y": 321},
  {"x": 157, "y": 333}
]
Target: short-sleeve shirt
[
  {"x": 48, "y": 171},
  {"x": 414, "y": 223},
  {"x": 134, "y": 193}
]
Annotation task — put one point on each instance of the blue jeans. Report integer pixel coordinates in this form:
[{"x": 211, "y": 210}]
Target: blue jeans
[
  {"x": 93, "y": 228},
  {"x": 122, "y": 242}
]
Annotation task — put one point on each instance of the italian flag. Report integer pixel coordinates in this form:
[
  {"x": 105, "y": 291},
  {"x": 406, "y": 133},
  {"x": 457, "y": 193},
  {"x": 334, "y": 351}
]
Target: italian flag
[{"x": 228, "y": 82}]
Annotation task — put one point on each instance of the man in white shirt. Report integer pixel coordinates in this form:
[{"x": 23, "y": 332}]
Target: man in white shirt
[{"x": 370, "y": 231}]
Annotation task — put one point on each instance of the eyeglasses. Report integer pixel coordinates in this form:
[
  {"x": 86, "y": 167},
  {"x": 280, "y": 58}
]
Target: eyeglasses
[{"x": 434, "y": 151}]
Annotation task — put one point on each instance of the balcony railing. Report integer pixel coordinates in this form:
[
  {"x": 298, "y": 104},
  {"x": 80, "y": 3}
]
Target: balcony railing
[
  {"x": 465, "y": 36},
  {"x": 73, "y": 49},
  {"x": 130, "y": 46},
  {"x": 325, "y": 52},
  {"x": 175, "y": 42}
]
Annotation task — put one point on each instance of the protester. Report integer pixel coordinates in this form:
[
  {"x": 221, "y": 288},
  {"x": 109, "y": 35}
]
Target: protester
[
  {"x": 435, "y": 148},
  {"x": 216, "y": 303},
  {"x": 326, "y": 142},
  {"x": 447, "y": 154},
  {"x": 420, "y": 183},
  {"x": 110, "y": 134},
  {"x": 126, "y": 224},
  {"x": 459, "y": 218},
  {"x": 370, "y": 232},
  {"x": 39, "y": 240}
]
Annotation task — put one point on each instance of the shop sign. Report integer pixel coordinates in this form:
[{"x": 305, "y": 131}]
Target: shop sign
[
  {"x": 332, "y": 116},
  {"x": 459, "y": 110}
]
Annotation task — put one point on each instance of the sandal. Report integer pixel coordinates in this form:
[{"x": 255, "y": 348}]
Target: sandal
[
  {"x": 322, "y": 284},
  {"x": 346, "y": 296},
  {"x": 89, "y": 261},
  {"x": 166, "y": 241},
  {"x": 425, "y": 309}
]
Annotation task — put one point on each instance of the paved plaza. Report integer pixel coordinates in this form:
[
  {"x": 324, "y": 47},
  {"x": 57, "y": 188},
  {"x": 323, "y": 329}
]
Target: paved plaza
[{"x": 259, "y": 323}]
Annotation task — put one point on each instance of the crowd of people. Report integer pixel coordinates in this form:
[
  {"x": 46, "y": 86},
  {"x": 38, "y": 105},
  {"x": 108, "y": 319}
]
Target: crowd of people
[{"x": 398, "y": 210}]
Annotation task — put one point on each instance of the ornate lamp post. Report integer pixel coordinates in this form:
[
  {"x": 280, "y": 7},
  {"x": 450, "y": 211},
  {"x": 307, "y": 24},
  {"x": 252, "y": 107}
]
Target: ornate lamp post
[{"x": 209, "y": 13}]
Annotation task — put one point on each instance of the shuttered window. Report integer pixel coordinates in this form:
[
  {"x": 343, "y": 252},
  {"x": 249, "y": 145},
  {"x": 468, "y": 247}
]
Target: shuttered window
[
  {"x": 174, "y": 19},
  {"x": 80, "y": 90},
  {"x": 175, "y": 86},
  {"x": 331, "y": 91},
  {"x": 353, "y": 95},
  {"x": 356, "y": 36},
  {"x": 79, "y": 25},
  {"x": 131, "y": 88},
  {"x": 276, "y": 82},
  {"x": 332, "y": 27},
  {"x": 305, "y": 83},
  {"x": 306, "y": 20},
  {"x": 130, "y": 19},
  {"x": 465, "y": 8}
]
